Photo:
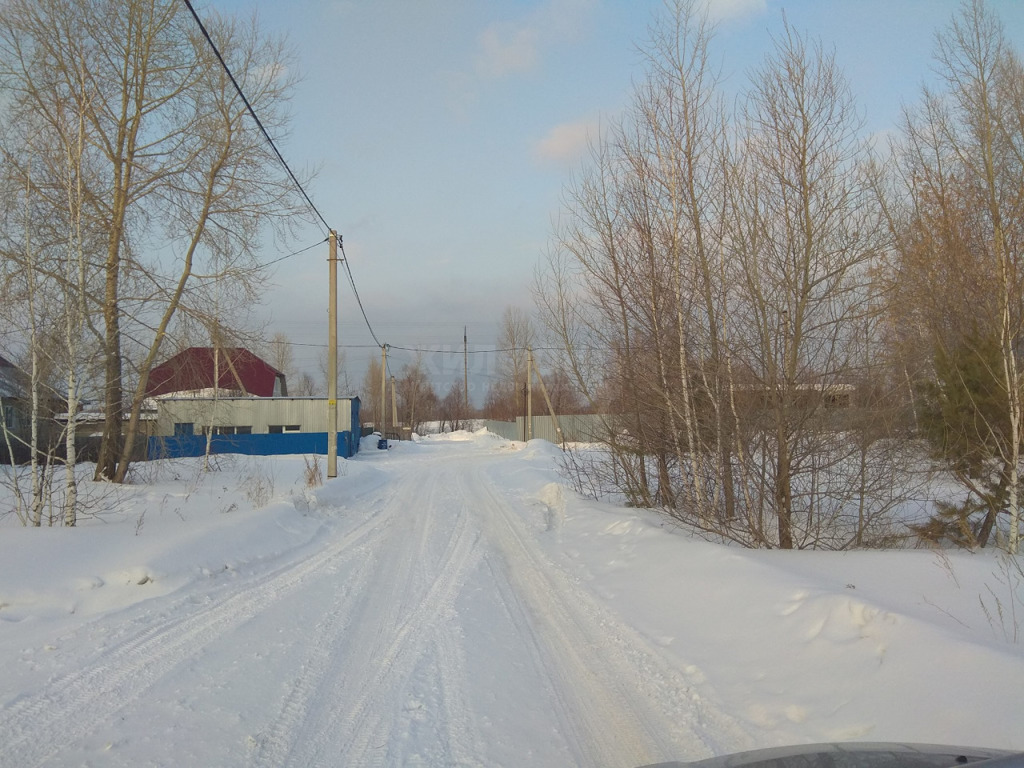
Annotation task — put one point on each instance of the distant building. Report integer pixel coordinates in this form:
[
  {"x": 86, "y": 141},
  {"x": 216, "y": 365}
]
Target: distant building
[
  {"x": 16, "y": 413},
  {"x": 234, "y": 402},
  {"x": 262, "y": 426},
  {"x": 228, "y": 370}
]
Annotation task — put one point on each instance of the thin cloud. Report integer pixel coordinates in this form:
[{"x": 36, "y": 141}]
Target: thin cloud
[
  {"x": 513, "y": 47},
  {"x": 566, "y": 143},
  {"x": 726, "y": 10},
  {"x": 507, "y": 49}
]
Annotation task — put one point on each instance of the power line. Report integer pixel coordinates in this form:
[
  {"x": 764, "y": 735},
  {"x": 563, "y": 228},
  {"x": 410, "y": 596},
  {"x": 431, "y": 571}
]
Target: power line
[
  {"x": 426, "y": 350},
  {"x": 296, "y": 253},
  {"x": 305, "y": 195},
  {"x": 269, "y": 263},
  {"x": 460, "y": 351},
  {"x": 284, "y": 163},
  {"x": 318, "y": 346},
  {"x": 352, "y": 282},
  {"x": 252, "y": 112}
]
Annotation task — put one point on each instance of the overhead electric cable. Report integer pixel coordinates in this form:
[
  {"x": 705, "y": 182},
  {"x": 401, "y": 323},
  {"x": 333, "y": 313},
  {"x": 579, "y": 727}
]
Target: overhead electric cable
[
  {"x": 319, "y": 346},
  {"x": 296, "y": 253},
  {"x": 252, "y": 112},
  {"x": 352, "y": 282},
  {"x": 460, "y": 351},
  {"x": 199, "y": 276}
]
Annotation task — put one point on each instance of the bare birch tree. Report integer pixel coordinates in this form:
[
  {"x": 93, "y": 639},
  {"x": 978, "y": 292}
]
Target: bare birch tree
[
  {"x": 722, "y": 264},
  {"x": 961, "y": 251},
  {"x": 280, "y": 355},
  {"x": 586, "y": 301},
  {"x": 183, "y": 179},
  {"x": 515, "y": 335},
  {"x": 806, "y": 240}
]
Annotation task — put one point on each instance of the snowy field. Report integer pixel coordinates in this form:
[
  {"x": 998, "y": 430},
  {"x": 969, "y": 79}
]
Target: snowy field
[{"x": 449, "y": 603}]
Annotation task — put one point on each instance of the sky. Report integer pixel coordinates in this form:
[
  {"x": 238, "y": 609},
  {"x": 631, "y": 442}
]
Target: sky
[{"x": 444, "y": 132}]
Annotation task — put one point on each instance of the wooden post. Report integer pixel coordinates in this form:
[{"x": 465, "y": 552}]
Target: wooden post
[
  {"x": 332, "y": 358},
  {"x": 382, "y": 408},
  {"x": 394, "y": 408},
  {"x": 551, "y": 410},
  {"x": 529, "y": 394}
]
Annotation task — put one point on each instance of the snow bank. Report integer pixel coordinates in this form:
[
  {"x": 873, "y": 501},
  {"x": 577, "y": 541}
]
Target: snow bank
[
  {"x": 177, "y": 524},
  {"x": 810, "y": 647}
]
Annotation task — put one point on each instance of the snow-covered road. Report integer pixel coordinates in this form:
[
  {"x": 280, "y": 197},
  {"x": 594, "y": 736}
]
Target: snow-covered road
[
  {"x": 426, "y": 628},
  {"x": 450, "y": 603}
]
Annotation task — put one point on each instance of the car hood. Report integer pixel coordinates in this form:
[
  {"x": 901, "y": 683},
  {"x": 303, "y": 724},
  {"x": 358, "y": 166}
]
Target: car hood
[{"x": 859, "y": 755}]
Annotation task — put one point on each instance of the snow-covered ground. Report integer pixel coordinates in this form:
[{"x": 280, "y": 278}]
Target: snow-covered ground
[{"x": 449, "y": 602}]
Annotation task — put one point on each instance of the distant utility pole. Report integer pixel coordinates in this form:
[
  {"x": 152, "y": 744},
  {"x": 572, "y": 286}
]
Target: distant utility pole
[
  {"x": 332, "y": 358},
  {"x": 382, "y": 409},
  {"x": 526, "y": 421},
  {"x": 529, "y": 393},
  {"x": 465, "y": 366},
  {"x": 551, "y": 409},
  {"x": 394, "y": 406}
]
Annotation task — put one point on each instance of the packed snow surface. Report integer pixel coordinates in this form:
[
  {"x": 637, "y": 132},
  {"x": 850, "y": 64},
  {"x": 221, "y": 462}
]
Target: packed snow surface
[{"x": 449, "y": 602}]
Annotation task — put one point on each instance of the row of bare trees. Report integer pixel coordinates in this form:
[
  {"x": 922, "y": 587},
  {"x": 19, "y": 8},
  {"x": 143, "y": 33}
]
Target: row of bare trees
[
  {"x": 506, "y": 396},
  {"x": 135, "y": 187},
  {"x": 417, "y": 400},
  {"x": 411, "y": 400},
  {"x": 776, "y": 316}
]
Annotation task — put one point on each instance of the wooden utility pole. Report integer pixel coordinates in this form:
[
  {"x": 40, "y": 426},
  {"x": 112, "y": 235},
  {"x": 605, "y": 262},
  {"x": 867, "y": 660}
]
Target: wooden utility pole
[
  {"x": 332, "y": 358},
  {"x": 529, "y": 394},
  {"x": 382, "y": 408},
  {"x": 551, "y": 410},
  {"x": 465, "y": 367},
  {"x": 394, "y": 407}
]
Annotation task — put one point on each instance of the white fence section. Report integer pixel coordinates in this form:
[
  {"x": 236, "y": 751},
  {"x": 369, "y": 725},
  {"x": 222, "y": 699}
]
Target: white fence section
[
  {"x": 575, "y": 429},
  {"x": 507, "y": 429}
]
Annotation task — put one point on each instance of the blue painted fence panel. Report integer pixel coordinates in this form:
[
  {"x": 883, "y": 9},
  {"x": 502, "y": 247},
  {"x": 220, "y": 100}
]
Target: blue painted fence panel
[{"x": 180, "y": 446}]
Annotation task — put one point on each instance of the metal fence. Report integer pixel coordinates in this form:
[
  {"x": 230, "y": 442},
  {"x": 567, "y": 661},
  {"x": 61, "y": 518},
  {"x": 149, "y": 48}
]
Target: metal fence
[
  {"x": 575, "y": 429},
  {"x": 507, "y": 429}
]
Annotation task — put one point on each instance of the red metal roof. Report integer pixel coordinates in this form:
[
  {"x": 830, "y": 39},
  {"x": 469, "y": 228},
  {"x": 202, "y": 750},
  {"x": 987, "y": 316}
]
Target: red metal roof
[{"x": 193, "y": 369}]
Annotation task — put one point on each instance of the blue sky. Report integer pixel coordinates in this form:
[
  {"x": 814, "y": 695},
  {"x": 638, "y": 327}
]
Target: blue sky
[{"x": 445, "y": 131}]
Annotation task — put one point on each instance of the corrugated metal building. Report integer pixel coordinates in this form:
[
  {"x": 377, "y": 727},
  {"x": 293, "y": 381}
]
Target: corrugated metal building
[{"x": 252, "y": 425}]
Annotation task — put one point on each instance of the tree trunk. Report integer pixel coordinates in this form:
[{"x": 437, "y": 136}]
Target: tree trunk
[{"x": 784, "y": 491}]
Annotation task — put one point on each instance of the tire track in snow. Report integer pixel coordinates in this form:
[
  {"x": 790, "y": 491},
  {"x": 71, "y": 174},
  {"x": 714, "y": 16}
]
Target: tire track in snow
[
  {"x": 121, "y": 674},
  {"x": 345, "y": 707},
  {"x": 388, "y": 630},
  {"x": 619, "y": 702},
  {"x": 370, "y": 718},
  {"x": 272, "y": 746},
  {"x": 463, "y": 742}
]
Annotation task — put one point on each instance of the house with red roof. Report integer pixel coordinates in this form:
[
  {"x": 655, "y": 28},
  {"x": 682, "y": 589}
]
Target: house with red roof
[
  {"x": 232, "y": 371},
  {"x": 228, "y": 400}
]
